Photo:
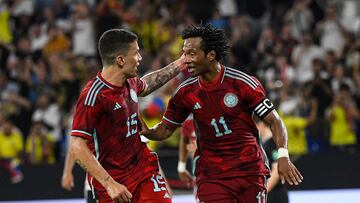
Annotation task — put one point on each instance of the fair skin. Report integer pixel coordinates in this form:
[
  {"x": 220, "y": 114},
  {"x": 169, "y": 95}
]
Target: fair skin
[
  {"x": 67, "y": 180},
  {"x": 123, "y": 68},
  {"x": 206, "y": 67}
]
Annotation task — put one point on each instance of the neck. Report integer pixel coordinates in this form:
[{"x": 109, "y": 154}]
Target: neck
[
  {"x": 113, "y": 75},
  {"x": 212, "y": 74}
]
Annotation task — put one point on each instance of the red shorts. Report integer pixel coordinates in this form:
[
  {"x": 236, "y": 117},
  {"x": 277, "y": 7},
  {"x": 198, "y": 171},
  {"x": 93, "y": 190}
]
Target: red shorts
[
  {"x": 151, "y": 190},
  {"x": 233, "y": 190}
]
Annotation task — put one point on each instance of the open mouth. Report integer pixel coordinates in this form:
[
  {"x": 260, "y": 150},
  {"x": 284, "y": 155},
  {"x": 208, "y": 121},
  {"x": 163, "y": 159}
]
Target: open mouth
[{"x": 190, "y": 69}]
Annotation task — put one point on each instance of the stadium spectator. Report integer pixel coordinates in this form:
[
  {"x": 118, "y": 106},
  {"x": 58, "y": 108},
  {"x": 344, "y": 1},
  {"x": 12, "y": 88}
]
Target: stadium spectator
[
  {"x": 49, "y": 114},
  {"x": 39, "y": 145},
  {"x": 11, "y": 148}
]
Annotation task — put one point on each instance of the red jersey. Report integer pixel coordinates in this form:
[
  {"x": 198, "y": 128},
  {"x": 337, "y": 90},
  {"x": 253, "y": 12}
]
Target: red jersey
[
  {"x": 107, "y": 116},
  {"x": 228, "y": 142},
  {"x": 188, "y": 129}
]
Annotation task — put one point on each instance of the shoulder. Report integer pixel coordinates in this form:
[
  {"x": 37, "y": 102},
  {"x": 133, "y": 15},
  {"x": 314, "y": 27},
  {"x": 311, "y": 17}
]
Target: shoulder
[
  {"x": 242, "y": 78},
  {"x": 134, "y": 80},
  {"x": 92, "y": 92},
  {"x": 186, "y": 84}
]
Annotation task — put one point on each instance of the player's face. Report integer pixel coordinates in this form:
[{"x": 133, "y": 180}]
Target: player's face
[
  {"x": 195, "y": 58},
  {"x": 131, "y": 60}
]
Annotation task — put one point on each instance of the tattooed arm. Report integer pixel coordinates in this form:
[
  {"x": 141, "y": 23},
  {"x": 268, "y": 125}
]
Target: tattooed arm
[
  {"x": 156, "y": 79},
  {"x": 83, "y": 156}
]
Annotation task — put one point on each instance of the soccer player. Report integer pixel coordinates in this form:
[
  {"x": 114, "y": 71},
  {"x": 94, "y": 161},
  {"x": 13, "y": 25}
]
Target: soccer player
[
  {"x": 230, "y": 164},
  {"x": 105, "y": 138}
]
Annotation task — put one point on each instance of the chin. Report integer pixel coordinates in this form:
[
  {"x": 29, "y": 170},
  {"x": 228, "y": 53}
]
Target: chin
[{"x": 194, "y": 74}]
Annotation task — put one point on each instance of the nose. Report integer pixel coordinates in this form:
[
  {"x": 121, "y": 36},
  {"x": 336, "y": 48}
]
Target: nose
[
  {"x": 140, "y": 57},
  {"x": 187, "y": 59}
]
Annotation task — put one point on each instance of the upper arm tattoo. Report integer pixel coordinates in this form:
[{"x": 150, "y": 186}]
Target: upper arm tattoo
[{"x": 156, "y": 79}]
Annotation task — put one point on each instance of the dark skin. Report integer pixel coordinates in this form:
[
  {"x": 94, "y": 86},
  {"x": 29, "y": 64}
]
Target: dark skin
[{"x": 207, "y": 68}]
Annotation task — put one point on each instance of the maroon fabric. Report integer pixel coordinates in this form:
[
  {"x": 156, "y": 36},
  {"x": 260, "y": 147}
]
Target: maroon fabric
[
  {"x": 227, "y": 137},
  {"x": 107, "y": 116},
  {"x": 151, "y": 190},
  {"x": 244, "y": 189}
]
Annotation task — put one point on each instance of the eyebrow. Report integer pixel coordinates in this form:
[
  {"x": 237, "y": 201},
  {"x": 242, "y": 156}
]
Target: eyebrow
[{"x": 190, "y": 49}]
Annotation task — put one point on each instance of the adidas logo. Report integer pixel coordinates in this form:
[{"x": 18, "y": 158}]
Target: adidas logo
[
  {"x": 117, "y": 106},
  {"x": 167, "y": 196},
  {"x": 197, "y": 106}
]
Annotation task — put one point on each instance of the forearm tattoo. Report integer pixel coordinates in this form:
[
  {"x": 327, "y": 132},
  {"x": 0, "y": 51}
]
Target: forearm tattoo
[
  {"x": 156, "y": 79},
  {"x": 81, "y": 164}
]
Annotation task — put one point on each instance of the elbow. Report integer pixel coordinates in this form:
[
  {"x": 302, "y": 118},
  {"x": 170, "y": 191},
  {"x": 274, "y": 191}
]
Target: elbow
[{"x": 76, "y": 146}]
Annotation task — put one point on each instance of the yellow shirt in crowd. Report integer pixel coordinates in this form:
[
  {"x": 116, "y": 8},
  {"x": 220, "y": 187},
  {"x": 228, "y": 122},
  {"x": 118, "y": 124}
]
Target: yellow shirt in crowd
[
  {"x": 341, "y": 131},
  {"x": 10, "y": 145},
  {"x": 296, "y": 134}
]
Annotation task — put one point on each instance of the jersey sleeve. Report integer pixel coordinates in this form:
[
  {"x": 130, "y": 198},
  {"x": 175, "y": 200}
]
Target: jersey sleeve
[
  {"x": 85, "y": 117},
  {"x": 257, "y": 100},
  {"x": 176, "y": 112},
  {"x": 140, "y": 85}
]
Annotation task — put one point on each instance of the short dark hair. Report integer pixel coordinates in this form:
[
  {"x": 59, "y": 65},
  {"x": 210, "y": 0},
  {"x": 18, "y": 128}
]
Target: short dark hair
[
  {"x": 212, "y": 39},
  {"x": 113, "y": 42}
]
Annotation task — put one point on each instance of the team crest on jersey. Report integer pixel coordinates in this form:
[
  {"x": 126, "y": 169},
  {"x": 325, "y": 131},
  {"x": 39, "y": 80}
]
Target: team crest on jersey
[
  {"x": 133, "y": 95},
  {"x": 230, "y": 100}
]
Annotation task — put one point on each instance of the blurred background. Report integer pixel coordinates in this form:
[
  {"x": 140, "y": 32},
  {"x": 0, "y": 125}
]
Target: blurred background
[{"x": 306, "y": 53}]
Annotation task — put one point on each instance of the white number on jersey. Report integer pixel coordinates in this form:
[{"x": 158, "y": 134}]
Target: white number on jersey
[
  {"x": 216, "y": 127},
  {"x": 132, "y": 125}
]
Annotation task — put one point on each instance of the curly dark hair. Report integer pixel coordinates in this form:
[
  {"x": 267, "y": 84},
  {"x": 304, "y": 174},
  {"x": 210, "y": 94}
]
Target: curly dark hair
[{"x": 212, "y": 39}]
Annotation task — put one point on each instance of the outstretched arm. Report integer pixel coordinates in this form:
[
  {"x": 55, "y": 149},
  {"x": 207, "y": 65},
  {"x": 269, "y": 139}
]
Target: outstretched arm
[
  {"x": 159, "y": 132},
  {"x": 287, "y": 170},
  {"x": 83, "y": 156},
  {"x": 156, "y": 79}
]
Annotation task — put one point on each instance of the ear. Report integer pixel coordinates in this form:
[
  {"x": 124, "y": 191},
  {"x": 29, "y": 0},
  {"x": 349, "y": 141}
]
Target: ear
[
  {"x": 120, "y": 60},
  {"x": 211, "y": 56}
]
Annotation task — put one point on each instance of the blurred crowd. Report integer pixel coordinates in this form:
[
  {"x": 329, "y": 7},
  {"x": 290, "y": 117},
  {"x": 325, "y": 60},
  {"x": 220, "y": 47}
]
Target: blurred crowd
[{"x": 305, "y": 52}]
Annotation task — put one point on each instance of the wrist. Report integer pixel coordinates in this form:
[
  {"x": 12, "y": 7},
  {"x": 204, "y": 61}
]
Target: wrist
[
  {"x": 181, "y": 166},
  {"x": 283, "y": 152}
]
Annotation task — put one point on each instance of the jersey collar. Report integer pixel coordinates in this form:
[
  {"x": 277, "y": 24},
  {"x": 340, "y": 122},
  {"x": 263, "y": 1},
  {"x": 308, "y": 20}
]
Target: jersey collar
[{"x": 213, "y": 84}]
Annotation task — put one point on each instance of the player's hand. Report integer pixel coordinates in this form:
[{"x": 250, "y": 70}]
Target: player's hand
[
  {"x": 144, "y": 128},
  {"x": 67, "y": 181},
  {"x": 186, "y": 177},
  {"x": 181, "y": 62},
  {"x": 118, "y": 192},
  {"x": 288, "y": 172}
]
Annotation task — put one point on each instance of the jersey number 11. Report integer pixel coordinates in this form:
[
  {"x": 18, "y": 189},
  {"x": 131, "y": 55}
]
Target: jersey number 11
[{"x": 216, "y": 127}]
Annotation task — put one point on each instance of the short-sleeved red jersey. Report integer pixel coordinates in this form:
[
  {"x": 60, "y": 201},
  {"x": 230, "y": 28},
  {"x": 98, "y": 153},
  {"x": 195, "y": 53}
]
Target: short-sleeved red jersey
[
  {"x": 107, "y": 116},
  {"x": 228, "y": 142}
]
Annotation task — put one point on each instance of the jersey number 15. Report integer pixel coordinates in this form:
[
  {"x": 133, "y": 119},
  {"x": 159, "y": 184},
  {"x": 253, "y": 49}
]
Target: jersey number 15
[{"x": 131, "y": 125}]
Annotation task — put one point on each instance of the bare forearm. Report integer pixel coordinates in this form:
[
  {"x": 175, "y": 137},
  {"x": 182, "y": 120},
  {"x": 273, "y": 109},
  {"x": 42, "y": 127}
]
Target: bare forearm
[
  {"x": 156, "y": 79},
  {"x": 159, "y": 132},
  {"x": 69, "y": 162},
  {"x": 83, "y": 156},
  {"x": 278, "y": 129}
]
